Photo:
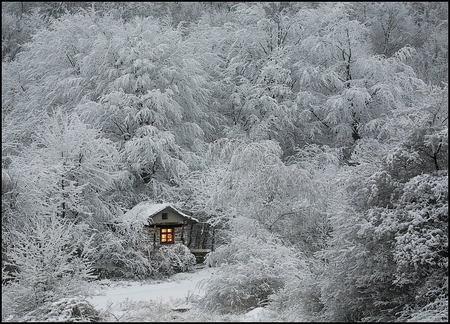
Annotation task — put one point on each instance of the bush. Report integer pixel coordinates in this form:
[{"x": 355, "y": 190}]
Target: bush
[
  {"x": 119, "y": 256},
  {"x": 65, "y": 310},
  {"x": 128, "y": 254},
  {"x": 51, "y": 262},
  {"x": 299, "y": 301},
  {"x": 171, "y": 259},
  {"x": 249, "y": 272}
]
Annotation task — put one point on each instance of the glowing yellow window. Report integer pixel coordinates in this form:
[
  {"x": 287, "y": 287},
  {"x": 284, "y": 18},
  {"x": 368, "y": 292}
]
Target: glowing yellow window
[{"x": 166, "y": 235}]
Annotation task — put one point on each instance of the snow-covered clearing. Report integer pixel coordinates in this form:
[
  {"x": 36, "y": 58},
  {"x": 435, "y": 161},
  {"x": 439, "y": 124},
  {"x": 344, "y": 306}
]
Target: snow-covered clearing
[
  {"x": 179, "y": 286},
  {"x": 168, "y": 300}
]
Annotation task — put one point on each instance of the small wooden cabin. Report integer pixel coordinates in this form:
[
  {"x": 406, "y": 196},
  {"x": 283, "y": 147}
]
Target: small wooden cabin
[{"x": 164, "y": 223}]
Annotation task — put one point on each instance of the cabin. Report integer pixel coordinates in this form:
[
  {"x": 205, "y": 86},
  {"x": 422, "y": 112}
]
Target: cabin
[{"x": 165, "y": 224}]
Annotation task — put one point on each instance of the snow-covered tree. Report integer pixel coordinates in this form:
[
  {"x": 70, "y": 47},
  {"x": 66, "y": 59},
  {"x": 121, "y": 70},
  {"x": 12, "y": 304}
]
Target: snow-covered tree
[
  {"x": 18, "y": 26},
  {"x": 261, "y": 204},
  {"x": 431, "y": 40},
  {"x": 346, "y": 92},
  {"x": 139, "y": 82},
  {"x": 422, "y": 25},
  {"x": 67, "y": 170},
  {"x": 253, "y": 81},
  {"x": 241, "y": 112},
  {"x": 388, "y": 253},
  {"x": 391, "y": 26},
  {"x": 47, "y": 262}
]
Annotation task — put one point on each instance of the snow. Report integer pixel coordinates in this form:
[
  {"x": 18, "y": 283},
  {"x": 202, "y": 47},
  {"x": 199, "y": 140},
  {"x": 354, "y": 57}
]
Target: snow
[
  {"x": 254, "y": 315},
  {"x": 145, "y": 209},
  {"x": 167, "y": 300},
  {"x": 180, "y": 285}
]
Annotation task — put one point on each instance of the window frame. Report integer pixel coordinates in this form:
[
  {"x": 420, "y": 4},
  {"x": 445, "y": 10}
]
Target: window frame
[{"x": 172, "y": 228}]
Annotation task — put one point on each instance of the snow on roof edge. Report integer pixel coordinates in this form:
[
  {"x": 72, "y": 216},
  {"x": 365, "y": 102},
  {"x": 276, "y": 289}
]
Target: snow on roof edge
[{"x": 145, "y": 210}]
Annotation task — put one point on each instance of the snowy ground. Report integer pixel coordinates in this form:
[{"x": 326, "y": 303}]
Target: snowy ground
[
  {"x": 179, "y": 286},
  {"x": 168, "y": 300}
]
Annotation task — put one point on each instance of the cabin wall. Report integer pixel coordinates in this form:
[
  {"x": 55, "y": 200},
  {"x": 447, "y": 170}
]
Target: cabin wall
[
  {"x": 196, "y": 236},
  {"x": 149, "y": 230},
  {"x": 172, "y": 217}
]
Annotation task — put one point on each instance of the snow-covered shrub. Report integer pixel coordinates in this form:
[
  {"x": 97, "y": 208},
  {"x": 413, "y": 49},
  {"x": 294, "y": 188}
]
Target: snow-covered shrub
[
  {"x": 52, "y": 263},
  {"x": 248, "y": 272},
  {"x": 435, "y": 310},
  {"x": 388, "y": 254},
  {"x": 421, "y": 247},
  {"x": 240, "y": 288},
  {"x": 119, "y": 256},
  {"x": 171, "y": 259},
  {"x": 128, "y": 253},
  {"x": 70, "y": 309},
  {"x": 299, "y": 300}
]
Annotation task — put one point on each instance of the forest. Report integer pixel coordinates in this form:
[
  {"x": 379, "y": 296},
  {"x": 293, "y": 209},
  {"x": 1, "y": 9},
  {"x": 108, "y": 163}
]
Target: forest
[{"x": 313, "y": 136}]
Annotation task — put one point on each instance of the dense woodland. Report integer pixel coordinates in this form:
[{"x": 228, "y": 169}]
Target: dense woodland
[{"x": 313, "y": 136}]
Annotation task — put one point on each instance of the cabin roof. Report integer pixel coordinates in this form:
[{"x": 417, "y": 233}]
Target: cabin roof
[{"x": 145, "y": 210}]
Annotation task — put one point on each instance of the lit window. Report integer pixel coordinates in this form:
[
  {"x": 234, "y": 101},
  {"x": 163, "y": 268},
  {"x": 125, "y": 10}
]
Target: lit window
[{"x": 166, "y": 235}]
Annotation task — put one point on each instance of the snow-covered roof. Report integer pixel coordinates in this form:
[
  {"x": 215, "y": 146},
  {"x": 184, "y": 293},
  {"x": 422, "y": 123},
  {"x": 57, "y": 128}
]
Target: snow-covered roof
[{"x": 145, "y": 210}]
